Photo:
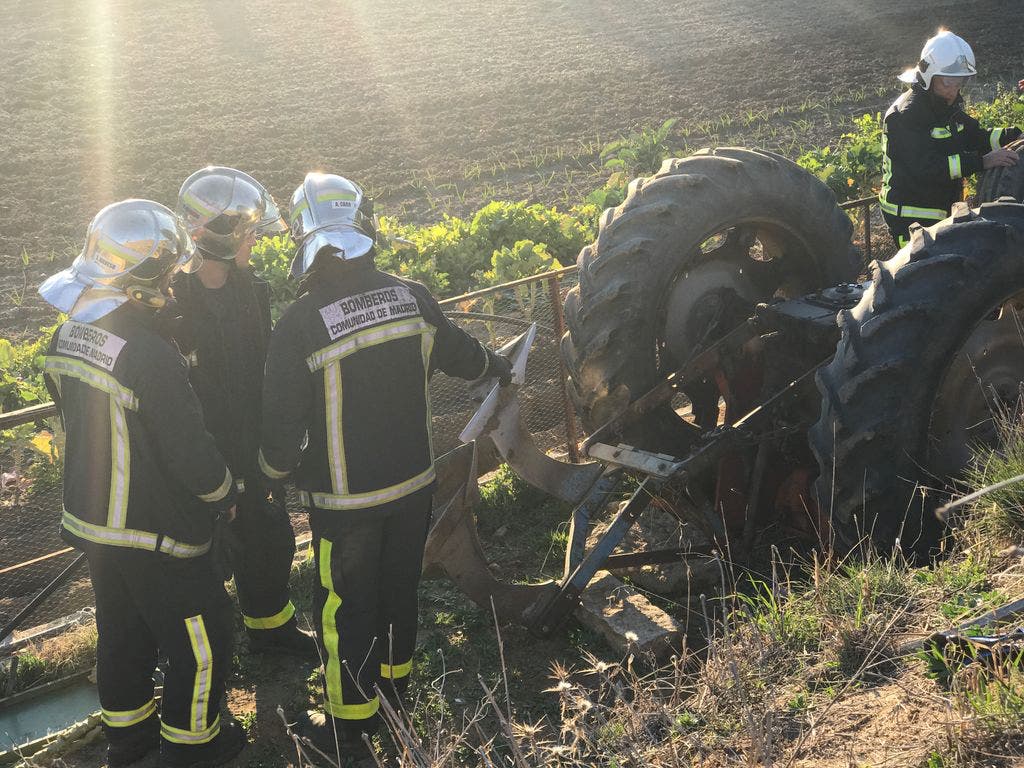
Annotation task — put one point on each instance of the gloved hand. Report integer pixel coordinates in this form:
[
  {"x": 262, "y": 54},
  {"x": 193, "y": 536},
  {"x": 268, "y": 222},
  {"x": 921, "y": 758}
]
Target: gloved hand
[
  {"x": 999, "y": 158},
  {"x": 500, "y": 368}
]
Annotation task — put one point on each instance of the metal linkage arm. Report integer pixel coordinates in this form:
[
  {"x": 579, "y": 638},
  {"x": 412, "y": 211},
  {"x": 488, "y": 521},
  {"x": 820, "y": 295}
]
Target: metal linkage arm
[{"x": 545, "y": 616}]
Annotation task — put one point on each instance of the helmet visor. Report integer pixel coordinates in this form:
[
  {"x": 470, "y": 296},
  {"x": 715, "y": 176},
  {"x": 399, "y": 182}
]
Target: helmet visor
[
  {"x": 954, "y": 81},
  {"x": 169, "y": 257}
]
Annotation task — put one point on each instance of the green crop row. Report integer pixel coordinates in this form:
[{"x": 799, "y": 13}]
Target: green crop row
[
  {"x": 502, "y": 241},
  {"x": 20, "y": 382}
]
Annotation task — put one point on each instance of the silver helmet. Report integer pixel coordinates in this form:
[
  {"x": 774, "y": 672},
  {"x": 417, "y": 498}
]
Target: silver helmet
[
  {"x": 131, "y": 249},
  {"x": 222, "y": 207},
  {"x": 329, "y": 210}
]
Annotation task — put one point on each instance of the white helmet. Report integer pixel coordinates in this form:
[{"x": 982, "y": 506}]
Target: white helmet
[
  {"x": 329, "y": 210},
  {"x": 222, "y": 207},
  {"x": 945, "y": 54},
  {"x": 130, "y": 249}
]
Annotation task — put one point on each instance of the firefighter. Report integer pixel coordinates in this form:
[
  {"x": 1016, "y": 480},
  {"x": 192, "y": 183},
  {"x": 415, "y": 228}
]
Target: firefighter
[
  {"x": 930, "y": 144},
  {"x": 345, "y": 407},
  {"x": 143, "y": 485},
  {"x": 224, "y": 328}
]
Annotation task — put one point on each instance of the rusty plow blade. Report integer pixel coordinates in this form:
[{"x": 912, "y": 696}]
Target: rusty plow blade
[
  {"x": 500, "y": 419},
  {"x": 453, "y": 545}
]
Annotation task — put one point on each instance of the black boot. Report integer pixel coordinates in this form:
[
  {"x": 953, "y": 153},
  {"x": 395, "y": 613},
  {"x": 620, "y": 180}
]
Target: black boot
[
  {"x": 129, "y": 745},
  {"x": 223, "y": 747},
  {"x": 287, "y": 639},
  {"x": 321, "y": 730}
]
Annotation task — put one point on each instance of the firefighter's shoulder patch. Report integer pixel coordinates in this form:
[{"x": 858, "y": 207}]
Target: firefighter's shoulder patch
[
  {"x": 367, "y": 309},
  {"x": 87, "y": 342}
]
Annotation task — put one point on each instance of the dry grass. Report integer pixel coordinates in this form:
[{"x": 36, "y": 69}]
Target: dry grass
[
  {"x": 803, "y": 670},
  {"x": 52, "y": 658}
]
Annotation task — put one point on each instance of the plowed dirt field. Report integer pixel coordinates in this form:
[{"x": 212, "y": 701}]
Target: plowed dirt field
[{"x": 103, "y": 100}]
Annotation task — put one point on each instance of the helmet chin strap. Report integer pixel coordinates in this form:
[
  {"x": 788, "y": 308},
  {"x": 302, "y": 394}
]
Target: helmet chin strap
[{"x": 148, "y": 297}]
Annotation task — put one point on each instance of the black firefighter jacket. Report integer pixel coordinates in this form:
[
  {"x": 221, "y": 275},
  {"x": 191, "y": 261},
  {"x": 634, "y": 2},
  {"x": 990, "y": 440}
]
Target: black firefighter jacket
[
  {"x": 928, "y": 148},
  {"x": 348, "y": 365},
  {"x": 140, "y": 470},
  {"x": 223, "y": 334}
]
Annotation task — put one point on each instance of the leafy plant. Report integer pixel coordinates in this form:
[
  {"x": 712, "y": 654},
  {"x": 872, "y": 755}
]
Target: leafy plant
[
  {"x": 271, "y": 259},
  {"x": 450, "y": 256},
  {"x": 33, "y": 454},
  {"x": 21, "y": 379},
  {"x": 608, "y": 196},
  {"x": 1007, "y": 108},
  {"x": 853, "y": 167},
  {"x": 639, "y": 153},
  {"x": 524, "y": 259}
]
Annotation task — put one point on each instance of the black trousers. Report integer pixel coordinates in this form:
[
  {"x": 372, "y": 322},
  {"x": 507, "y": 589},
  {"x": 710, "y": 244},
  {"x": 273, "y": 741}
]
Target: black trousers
[
  {"x": 262, "y": 561},
  {"x": 148, "y": 603},
  {"x": 369, "y": 564}
]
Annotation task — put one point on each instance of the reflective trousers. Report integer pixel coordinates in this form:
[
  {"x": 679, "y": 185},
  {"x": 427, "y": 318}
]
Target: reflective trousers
[
  {"x": 365, "y": 607},
  {"x": 262, "y": 561},
  {"x": 148, "y": 604}
]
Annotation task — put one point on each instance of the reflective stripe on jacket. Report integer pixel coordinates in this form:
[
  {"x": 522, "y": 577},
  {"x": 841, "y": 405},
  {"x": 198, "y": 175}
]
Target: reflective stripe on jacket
[{"x": 140, "y": 470}]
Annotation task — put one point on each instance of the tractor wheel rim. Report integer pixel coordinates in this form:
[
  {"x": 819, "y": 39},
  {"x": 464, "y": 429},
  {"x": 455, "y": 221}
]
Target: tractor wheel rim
[
  {"x": 740, "y": 265},
  {"x": 981, "y": 385}
]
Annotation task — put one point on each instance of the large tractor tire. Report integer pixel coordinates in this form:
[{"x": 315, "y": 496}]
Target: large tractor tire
[
  {"x": 685, "y": 258},
  {"x": 927, "y": 358},
  {"x": 1007, "y": 181}
]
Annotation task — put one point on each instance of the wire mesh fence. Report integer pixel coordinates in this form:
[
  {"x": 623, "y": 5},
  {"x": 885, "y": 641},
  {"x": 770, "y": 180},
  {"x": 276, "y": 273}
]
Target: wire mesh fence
[
  {"x": 495, "y": 316},
  {"x": 32, "y": 552}
]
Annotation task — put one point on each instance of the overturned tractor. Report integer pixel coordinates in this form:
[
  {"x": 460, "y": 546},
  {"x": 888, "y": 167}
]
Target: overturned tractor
[{"x": 724, "y": 356}]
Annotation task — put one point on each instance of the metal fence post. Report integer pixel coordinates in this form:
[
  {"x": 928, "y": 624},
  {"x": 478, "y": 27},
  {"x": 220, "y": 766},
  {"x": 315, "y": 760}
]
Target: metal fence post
[
  {"x": 867, "y": 231},
  {"x": 571, "y": 438},
  {"x": 864, "y": 205}
]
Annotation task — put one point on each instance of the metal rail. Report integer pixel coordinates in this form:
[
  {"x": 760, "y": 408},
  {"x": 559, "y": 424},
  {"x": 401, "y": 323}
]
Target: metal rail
[
  {"x": 62, "y": 578},
  {"x": 13, "y": 419},
  {"x": 556, "y": 273}
]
